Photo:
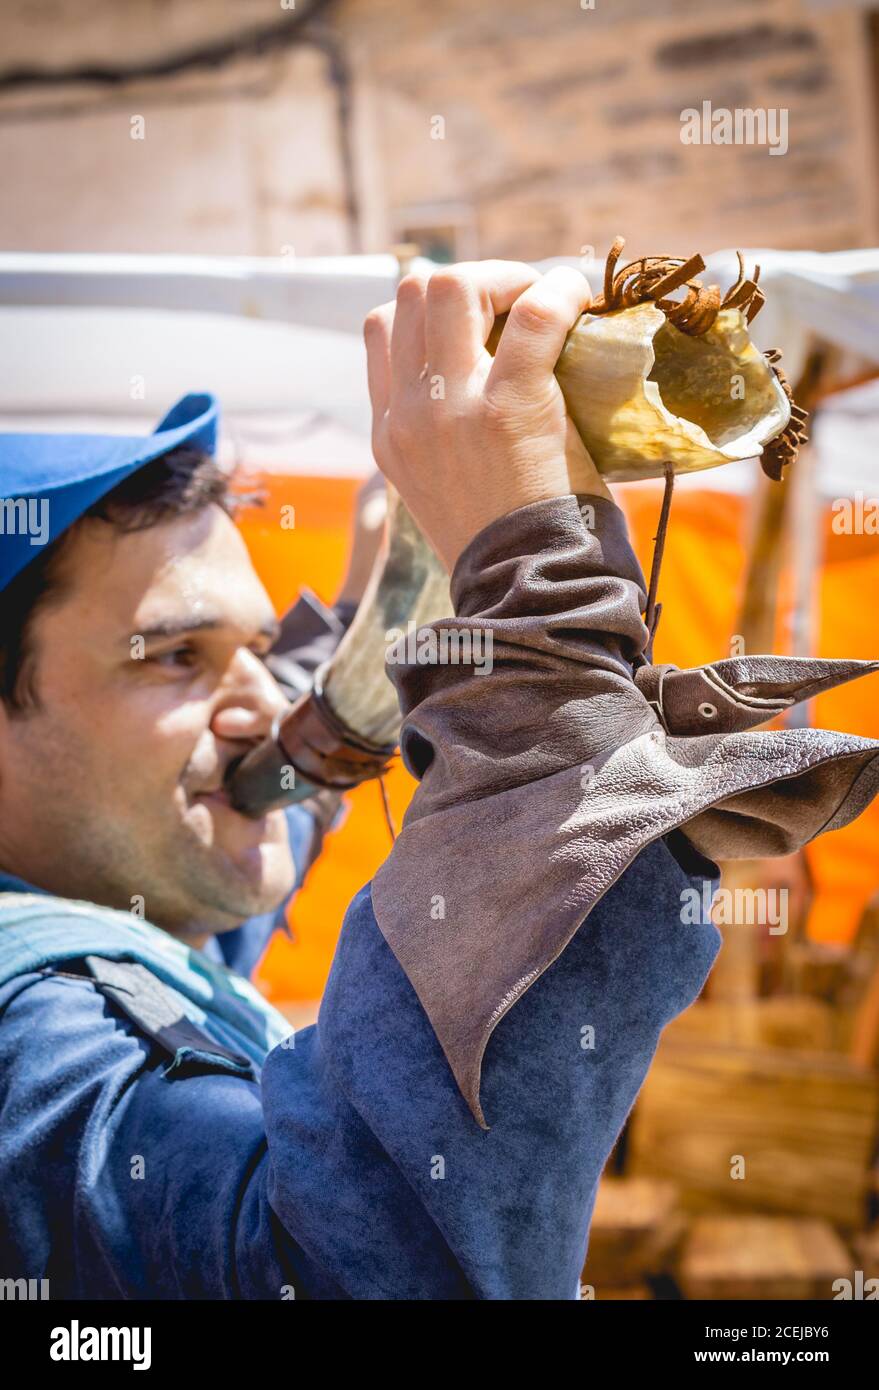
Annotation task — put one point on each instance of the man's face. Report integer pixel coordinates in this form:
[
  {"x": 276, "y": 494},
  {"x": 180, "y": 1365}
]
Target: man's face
[{"x": 109, "y": 791}]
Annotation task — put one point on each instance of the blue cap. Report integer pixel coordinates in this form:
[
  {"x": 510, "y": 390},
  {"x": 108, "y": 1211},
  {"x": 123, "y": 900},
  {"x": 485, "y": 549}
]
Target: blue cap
[{"x": 47, "y": 481}]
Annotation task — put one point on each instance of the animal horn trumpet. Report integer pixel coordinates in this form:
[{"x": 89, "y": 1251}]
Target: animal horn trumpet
[
  {"x": 660, "y": 376},
  {"x": 346, "y": 728}
]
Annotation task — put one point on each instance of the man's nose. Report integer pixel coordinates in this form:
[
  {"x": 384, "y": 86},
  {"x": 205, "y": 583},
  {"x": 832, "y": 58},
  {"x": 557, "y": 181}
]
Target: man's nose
[{"x": 250, "y": 700}]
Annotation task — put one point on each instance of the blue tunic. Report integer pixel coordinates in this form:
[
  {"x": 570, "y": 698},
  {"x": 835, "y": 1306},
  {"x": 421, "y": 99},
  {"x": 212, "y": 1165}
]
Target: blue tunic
[{"x": 352, "y": 1167}]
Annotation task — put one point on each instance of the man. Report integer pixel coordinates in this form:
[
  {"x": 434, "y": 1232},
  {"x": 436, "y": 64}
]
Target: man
[{"x": 497, "y": 994}]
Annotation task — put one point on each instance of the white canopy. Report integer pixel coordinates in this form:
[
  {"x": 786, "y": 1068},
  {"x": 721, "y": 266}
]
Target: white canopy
[{"x": 99, "y": 341}]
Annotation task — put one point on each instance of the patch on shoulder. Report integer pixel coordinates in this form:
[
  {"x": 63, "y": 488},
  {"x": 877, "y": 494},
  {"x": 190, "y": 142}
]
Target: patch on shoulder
[{"x": 158, "y": 1011}]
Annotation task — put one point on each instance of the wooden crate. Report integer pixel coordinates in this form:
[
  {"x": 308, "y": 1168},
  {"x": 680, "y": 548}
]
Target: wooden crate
[
  {"x": 630, "y": 1293},
  {"x": 804, "y": 1122},
  {"x": 780, "y": 1021},
  {"x": 759, "y": 1257},
  {"x": 866, "y": 1252},
  {"x": 636, "y": 1223}
]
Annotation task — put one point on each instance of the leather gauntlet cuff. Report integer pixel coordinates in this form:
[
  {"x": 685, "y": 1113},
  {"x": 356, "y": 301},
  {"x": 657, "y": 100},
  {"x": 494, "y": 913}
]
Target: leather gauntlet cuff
[
  {"x": 551, "y": 598},
  {"x": 549, "y": 770}
]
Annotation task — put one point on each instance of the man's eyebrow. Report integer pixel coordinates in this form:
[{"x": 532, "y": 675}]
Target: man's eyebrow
[{"x": 183, "y": 627}]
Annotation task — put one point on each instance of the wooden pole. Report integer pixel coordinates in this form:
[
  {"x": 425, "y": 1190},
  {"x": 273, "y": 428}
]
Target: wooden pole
[{"x": 781, "y": 511}]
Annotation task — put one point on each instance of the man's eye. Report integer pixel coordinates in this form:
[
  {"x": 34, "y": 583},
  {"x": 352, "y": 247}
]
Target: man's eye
[{"x": 179, "y": 656}]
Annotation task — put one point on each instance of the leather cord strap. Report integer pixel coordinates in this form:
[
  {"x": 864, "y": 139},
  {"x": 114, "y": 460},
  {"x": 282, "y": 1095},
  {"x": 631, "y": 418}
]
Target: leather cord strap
[
  {"x": 653, "y": 611},
  {"x": 325, "y": 751}
]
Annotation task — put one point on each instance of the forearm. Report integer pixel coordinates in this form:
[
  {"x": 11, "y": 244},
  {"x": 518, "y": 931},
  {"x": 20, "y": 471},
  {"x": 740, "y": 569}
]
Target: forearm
[
  {"x": 563, "y": 768},
  {"x": 504, "y": 759},
  {"x": 503, "y": 1214},
  {"x": 554, "y": 593},
  {"x": 424, "y": 1204}
]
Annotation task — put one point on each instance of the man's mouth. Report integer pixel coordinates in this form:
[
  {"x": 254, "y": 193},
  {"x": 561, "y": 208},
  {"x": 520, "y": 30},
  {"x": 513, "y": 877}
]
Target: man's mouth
[
  {"x": 218, "y": 795},
  {"x": 244, "y": 828},
  {"x": 219, "y": 792}
]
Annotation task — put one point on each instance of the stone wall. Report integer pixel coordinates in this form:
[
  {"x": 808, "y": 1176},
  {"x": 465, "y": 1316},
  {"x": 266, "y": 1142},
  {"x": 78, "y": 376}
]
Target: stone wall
[{"x": 511, "y": 128}]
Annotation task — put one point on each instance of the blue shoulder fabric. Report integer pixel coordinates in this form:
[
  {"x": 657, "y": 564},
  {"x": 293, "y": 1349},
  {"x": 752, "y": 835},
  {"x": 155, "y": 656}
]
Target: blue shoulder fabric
[
  {"x": 355, "y": 1169},
  {"x": 39, "y": 931}
]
